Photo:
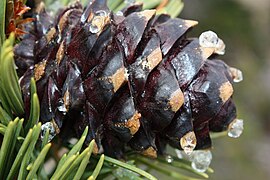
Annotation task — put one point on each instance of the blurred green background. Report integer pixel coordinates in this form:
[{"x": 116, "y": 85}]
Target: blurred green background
[{"x": 244, "y": 25}]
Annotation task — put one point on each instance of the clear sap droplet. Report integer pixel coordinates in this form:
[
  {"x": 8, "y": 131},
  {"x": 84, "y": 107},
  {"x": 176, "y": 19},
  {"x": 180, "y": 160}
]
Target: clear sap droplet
[
  {"x": 237, "y": 75},
  {"x": 201, "y": 160},
  {"x": 62, "y": 107},
  {"x": 143, "y": 94},
  {"x": 236, "y": 128},
  {"x": 119, "y": 13},
  {"x": 52, "y": 130},
  {"x": 208, "y": 39},
  {"x": 98, "y": 21},
  {"x": 169, "y": 158},
  {"x": 94, "y": 29},
  {"x": 220, "y": 47},
  {"x": 179, "y": 154},
  {"x": 126, "y": 74},
  {"x": 101, "y": 13}
]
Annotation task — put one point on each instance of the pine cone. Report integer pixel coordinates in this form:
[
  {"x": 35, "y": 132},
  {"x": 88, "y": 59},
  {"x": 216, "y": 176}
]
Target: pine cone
[{"x": 134, "y": 78}]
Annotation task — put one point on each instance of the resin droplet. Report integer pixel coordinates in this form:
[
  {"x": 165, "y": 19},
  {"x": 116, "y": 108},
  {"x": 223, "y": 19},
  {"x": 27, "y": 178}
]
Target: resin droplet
[
  {"x": 62, "y": 107},
  {"x": 220, "y": 47},
  {"x": 208, "y": 39},
  {"x": 169, "y": 158},
  {"x": 236, "y": 128},
  {"x": 236, "y": 75},
  {"x": 201, "y": 160},
  {"x": 119, "y": 13},
  {"x": 98, "y": 22},
  {"x": 188, "y": 142},
  {"x": 179, "y": 154},
  {"x": 52, "y": 130}
]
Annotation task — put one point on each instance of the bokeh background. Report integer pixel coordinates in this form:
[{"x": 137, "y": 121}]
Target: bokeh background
[{"x": 244, "y": 25}]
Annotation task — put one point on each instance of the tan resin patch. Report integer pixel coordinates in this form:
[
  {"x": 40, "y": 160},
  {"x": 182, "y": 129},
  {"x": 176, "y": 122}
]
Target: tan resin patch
[
  {"x": 225, "y": 91},
  {"x": 176, "y": 100}
]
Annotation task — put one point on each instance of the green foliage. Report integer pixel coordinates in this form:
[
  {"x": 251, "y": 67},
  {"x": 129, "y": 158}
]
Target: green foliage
[
  {"x": 10, "y": 92},
  {"x": 173, "y": 7},
  {"x": 8, "y": 146},
  {"x": 98, "y": 168},
  {"x": 35, "y": 109},
  {"x": 2, "y": 21}
]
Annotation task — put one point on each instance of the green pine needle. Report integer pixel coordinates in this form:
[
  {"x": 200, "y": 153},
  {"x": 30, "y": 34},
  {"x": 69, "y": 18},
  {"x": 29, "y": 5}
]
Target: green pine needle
[
  {"x": 38, "y": 162},
  {"x": 16, "y": 164},
  {"x": 215, "y": 135},
  {"x": 98, "y": 168},
  {"x": 113, "y": 4},
  {"x": 76, "y": 148},
  {"x": 35, "y": 107},
  {"x": 14, "y": 141},
  {"x": 28, "y": 154},
  {"x": 2, "y": 21},
  {"x": 162, "y": 169},
  {"x": 69, "y": 160},
  {"x": 74, "y": 166},
  {"x": 183, "y": 165},
  {"x": 2, "y": 129},
  {"x": 4, "y": 117},
  {"x": 149, "y": 4},
  {"x": 6, "y": 146},
  {"x": 130, "y": 167},
  {"x": 45, "y": 138},
  {"x": 11, "y": 96},
  {"x": 173, "y": 8},
  {"x": 85, "y": 161}
]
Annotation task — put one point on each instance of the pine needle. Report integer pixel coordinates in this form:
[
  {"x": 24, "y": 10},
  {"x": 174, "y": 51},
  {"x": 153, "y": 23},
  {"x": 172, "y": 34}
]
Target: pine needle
[
  {"x": 57, "y": 175},
  {"x": 98, "y": 168},
  {"x": 27, "y": 157},
  {"x": 11, "y": 95},
  {"x": 76, "y": 148},
  {"x": 38, "y": 162},
  {"x": 4, "y": 117},
  {"x": 15, "y": 167},
  {"x": 85, "y": 161},
  {"x": 74, "y": 166},
  {"x": 6, "y": 146},
  {"x": 130, "y": 167},
  {"x": 2, "y": 21},
  {"x": 35, "y": 107}
]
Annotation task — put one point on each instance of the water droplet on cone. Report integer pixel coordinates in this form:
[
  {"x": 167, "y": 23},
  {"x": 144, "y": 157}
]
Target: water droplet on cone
[
  {"x": 236, "y": 128},
  {"x": 201, "y": 159},
  {"x": 237, "y": 75},
  {"x": 169, "y": 158},
  {"x": 179, "y": 154},
  {"x": 52, "y": 130},
  {"x": 98, "y": 21},
  {"x": 220, "y": 47},
  {"x": 208, "y": 39}
]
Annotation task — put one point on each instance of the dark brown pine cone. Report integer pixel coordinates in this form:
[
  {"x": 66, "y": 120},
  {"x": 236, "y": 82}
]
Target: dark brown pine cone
[{"x": 133, "y": 77}]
